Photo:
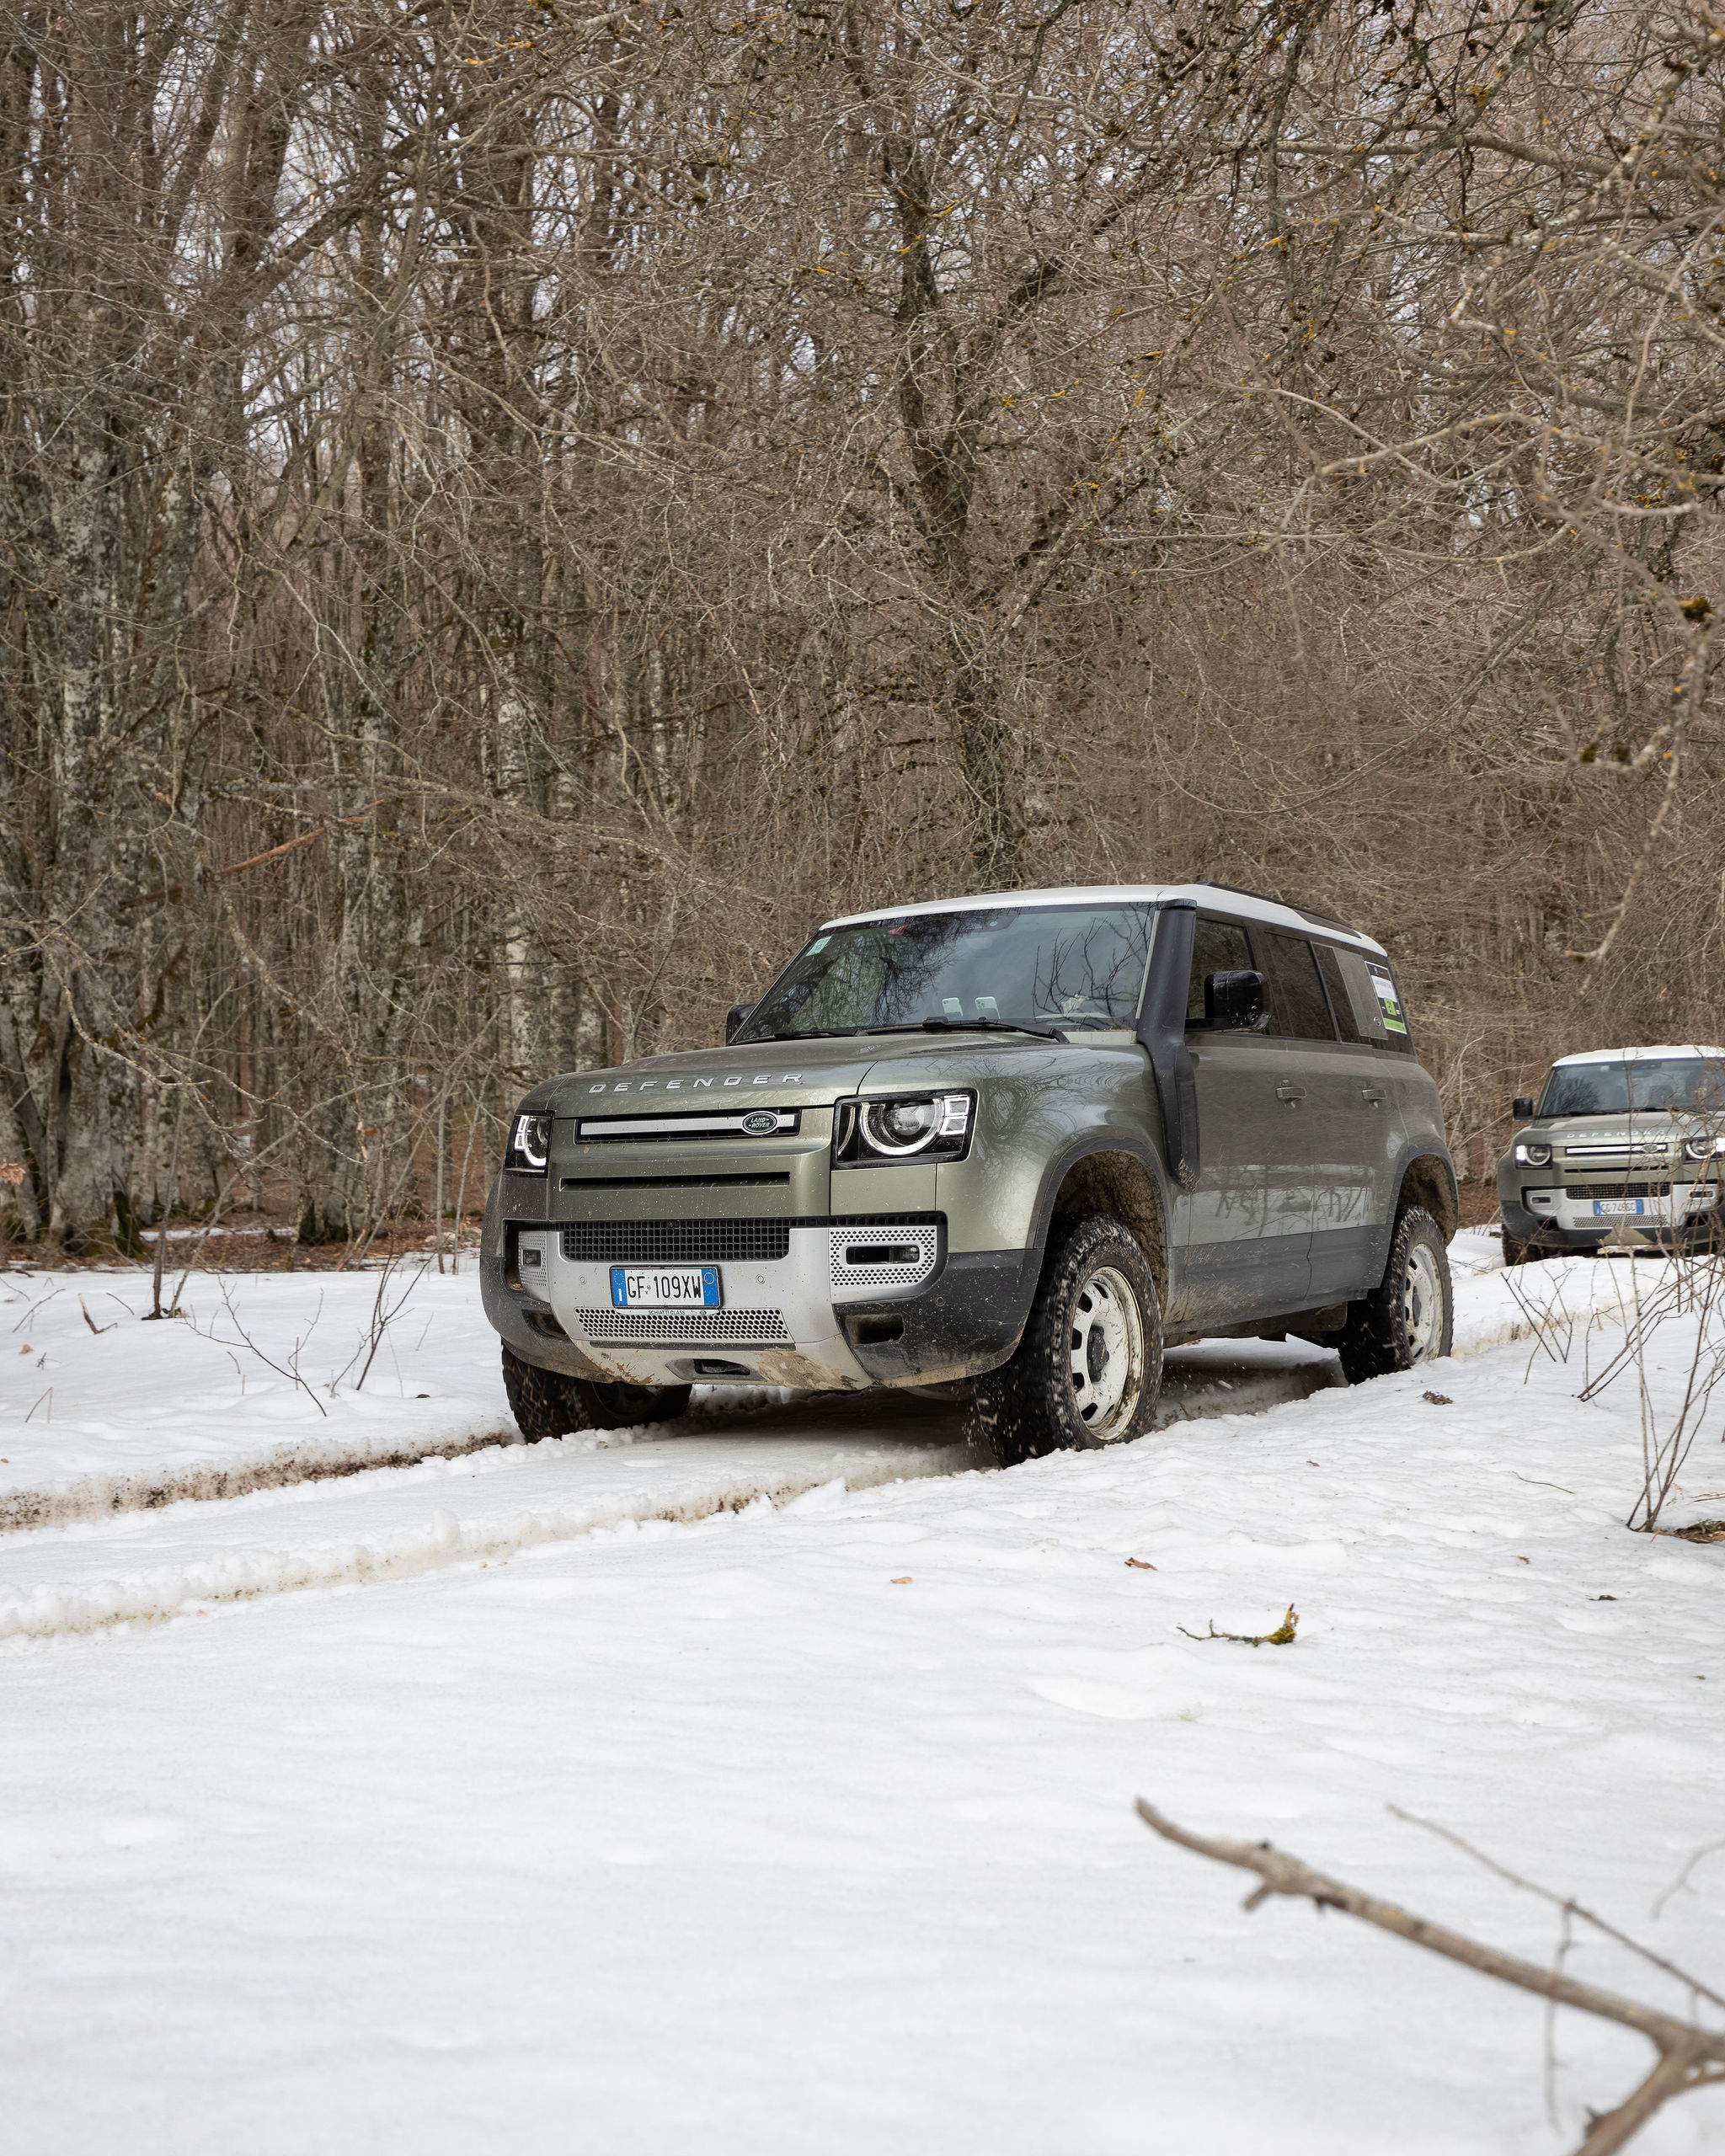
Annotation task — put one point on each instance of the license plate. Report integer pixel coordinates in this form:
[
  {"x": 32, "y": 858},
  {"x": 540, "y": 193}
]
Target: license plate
[
  {"x": 1616, "y": 1209},
  {"x": 665, "y": 1287}
]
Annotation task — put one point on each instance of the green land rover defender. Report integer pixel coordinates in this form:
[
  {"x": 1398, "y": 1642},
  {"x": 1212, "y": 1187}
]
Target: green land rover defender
[{"x": 1011, "y": 1147}]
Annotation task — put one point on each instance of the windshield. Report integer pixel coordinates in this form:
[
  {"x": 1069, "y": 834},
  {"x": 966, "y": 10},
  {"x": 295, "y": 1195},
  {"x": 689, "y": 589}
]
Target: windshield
[
  {"x": 1687, "y": 1085},
  {"x": 1074, "y": 967}
]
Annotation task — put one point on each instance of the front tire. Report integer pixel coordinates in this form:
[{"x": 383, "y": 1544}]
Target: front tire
[
  {"x": 1410, "y": 1317},
  {"x": 547, "y": 1404},
  {"x": 1088, "y": 1369},
  {"x": 1515, "y": 1251}
]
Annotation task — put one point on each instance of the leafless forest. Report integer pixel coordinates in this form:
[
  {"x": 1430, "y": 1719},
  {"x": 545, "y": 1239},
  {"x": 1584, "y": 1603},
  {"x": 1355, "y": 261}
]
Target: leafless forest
[{"x": 510, "y": 514}]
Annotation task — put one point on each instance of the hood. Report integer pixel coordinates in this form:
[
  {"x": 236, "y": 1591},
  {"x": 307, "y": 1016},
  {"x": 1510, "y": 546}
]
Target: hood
[{"x": 787, "y": 1073}]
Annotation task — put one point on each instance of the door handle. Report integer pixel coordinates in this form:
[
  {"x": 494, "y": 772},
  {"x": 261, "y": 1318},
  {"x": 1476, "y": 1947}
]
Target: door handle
[
  {"x": 1293, "y": 1095},
  {"x": 1373, "y": 1096}
]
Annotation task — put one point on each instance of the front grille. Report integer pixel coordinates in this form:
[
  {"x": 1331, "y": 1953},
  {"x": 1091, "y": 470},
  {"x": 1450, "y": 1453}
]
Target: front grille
[
  {"x": 761, "y": 1328},
  {"x": 1623, "y": 1156},
  {"x": 740, "y": 1122},
  {"x": 1591, "y": 1190},
  {"x": 675, "y": 1242}
]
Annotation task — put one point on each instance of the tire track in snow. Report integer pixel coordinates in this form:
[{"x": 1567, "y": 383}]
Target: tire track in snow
[
  {"x": 213, "y": 1481},
  {"x": 309, "y": 1459},
  {"x": 439, "y": 1537},
  {"x": 686, "y": 1478}
]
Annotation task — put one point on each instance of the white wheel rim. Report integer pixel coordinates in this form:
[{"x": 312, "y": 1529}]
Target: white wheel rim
[
  {"x": 1422, "y": 1305},
  {"x": 1106, "y": 1353}
]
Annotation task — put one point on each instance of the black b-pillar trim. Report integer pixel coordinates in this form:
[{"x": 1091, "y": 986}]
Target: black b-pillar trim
[{"x": 1162, "y": 1029}]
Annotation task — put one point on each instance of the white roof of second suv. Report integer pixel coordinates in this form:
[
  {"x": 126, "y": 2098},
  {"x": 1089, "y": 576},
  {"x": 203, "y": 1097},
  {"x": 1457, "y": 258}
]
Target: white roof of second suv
[{"x": 1636, "y": 1055}]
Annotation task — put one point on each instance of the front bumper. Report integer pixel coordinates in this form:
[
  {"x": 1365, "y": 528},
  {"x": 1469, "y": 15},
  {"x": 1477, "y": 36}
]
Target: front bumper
[
  {"x": 1555, "y": 1216},
  {"x": 824, "y": 1305}
]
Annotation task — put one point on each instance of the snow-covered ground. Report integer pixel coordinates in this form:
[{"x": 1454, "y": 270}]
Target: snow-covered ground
[
  {"x": 618, "y": 1811},
  {"x": 264, "y": 1380}
]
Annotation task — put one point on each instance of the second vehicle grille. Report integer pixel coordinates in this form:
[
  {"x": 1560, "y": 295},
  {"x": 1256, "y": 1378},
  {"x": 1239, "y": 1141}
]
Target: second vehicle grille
[{"x": 1590, "y": 1190}]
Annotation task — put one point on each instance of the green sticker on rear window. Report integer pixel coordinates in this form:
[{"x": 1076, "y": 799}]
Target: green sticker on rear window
[{"x": 1389, "y": 1004}]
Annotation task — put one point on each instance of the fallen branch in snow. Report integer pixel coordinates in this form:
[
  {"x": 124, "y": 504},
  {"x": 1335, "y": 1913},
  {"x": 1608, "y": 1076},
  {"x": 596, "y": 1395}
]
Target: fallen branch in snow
[
  {"x": 1690, "y": 2056},
  {"x": 1282, "y": 1636}
]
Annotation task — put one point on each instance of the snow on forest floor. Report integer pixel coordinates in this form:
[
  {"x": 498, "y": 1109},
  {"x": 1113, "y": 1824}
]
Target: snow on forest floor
[
  {"x": 810, "y": 1827},
  {"x": 96, "y": 1563},
  {"x": 264, "y": 1382}
]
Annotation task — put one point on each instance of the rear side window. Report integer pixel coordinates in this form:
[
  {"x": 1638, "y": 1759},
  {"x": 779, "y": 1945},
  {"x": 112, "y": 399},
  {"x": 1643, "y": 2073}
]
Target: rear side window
[
  {"x": 1298, "y": 1007},
  {"x": 1374, "y": 1002},
  {"x": 1218, "y": 947},
  {"x": 1348, "y": 1021}
]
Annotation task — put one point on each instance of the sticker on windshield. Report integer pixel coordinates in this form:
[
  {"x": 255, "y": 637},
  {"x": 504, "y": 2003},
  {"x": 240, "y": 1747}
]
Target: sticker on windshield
[
  {"x": 1388, "y": 1005},
  {"x": 820, "y": 943}
]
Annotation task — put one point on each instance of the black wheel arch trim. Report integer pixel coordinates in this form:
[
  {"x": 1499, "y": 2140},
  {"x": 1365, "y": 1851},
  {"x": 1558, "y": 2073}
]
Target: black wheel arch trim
[
  {"x": 1415, "y": 1151},
  {"x": 1088, "y": 1146}
]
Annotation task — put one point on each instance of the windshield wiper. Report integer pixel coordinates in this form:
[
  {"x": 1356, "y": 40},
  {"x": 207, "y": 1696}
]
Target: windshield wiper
[
  {"x": 941, "y": 1025},
  {"x": 814, "y": 1033},
  {"x": 972, "y": 1026}
]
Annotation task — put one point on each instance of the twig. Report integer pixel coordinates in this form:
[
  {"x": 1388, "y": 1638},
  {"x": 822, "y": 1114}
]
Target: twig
[
  {"x": 1283, "y": 1636},
  {"x": 378, "y": 1324},
  {"x": 1564, "y": 1901},
  {"x": 1677, "y": 1886},
  {"x": 1690, "y": 2056},
  {"x": 156, "y": 1309},
  {"x": 289, "y": 1369}
]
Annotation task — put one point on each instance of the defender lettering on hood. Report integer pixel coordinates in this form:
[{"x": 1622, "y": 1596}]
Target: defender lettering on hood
[{"x": 695, "y": 1084}]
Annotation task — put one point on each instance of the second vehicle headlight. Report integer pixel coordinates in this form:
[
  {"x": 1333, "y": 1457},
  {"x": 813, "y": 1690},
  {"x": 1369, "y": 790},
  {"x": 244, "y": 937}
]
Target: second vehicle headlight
[
  {"x": 904, "y": 1126},
  {"x": 1703, "y": 1149},
  {"x": 1532, "y": 1155}
]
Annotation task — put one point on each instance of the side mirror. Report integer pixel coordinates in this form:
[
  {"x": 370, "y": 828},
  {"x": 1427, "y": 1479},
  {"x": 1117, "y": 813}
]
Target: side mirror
[
  {"x": 1233, "y": 1002},
  {"x": 735, "y": 1021},
  {"x": 1521, "y": 1108}
]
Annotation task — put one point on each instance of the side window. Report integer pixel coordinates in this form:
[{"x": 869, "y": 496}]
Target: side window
[
  {"x": 1348, "y": 1023},
  {"x": 1218, "y": 947},
  {"x": 1298, "y": 1007}
]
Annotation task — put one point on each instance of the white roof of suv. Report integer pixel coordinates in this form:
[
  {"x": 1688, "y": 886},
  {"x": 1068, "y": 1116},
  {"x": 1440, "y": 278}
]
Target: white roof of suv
[
  {"x": 1636, "y": 1055},
  {"x": 1270, "y": 912}
]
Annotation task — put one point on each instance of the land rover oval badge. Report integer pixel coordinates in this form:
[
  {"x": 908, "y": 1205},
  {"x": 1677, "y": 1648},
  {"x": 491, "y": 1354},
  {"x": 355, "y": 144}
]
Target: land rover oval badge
[{"x": 760, "y": 1124}]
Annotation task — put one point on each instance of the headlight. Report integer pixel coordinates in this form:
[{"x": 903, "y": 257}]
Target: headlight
[
  {"x": 1532, "y": 1155},
  {"x": 908, "y": 1126},
  {"x": 1703, "y": 1149},
  {"x": 529, "y": 1144}
]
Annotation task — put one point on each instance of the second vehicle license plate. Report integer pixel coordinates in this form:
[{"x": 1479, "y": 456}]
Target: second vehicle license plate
[
  {"x": 1615, "y": 1208},
  {"x": 665, "y": 1287}
]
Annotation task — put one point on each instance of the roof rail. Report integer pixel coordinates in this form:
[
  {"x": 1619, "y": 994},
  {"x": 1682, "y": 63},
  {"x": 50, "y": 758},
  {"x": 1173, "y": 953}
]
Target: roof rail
[{"x": 1266, "y": 898}]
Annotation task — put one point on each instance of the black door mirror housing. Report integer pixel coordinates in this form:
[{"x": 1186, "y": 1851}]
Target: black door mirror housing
[
  {"x": 735, "y": 1021},
  {"x": 1521, "y": 1108},
  {"x": 1233, "y": 1003}
]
